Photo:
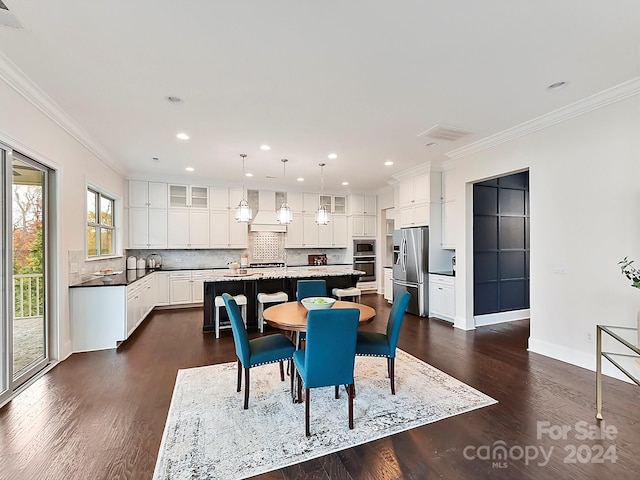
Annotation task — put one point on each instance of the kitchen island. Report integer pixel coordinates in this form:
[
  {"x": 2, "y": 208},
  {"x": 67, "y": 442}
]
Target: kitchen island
[{"x": 268, "y": 280}]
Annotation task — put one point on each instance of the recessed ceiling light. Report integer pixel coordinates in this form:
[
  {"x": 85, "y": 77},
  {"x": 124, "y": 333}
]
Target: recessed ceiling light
[
  {"x": 300, "y": 179},
  {"x": 388, "y": 163},
  {"x": 345, "y": 183},
  {"x": 431, "y": 144},
  {"x": 174, "y": 99},
  {"x": 265, "y": 147},
  {"x": 557, "y": 86},
  {"x": 332, "y": 156},
  {"x": 248, "y": 174},
  {"x": 183, "y": 136},
  {"x": 189, "y": 169}
]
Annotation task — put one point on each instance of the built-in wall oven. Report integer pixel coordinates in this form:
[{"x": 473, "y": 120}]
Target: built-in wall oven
[{"x": 364, "y": 259}]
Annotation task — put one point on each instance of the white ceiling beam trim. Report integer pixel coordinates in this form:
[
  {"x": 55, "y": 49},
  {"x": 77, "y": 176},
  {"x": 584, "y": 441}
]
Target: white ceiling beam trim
[
  {"x": 17, "y": 80},
  {"x": 586, "y": 105}
]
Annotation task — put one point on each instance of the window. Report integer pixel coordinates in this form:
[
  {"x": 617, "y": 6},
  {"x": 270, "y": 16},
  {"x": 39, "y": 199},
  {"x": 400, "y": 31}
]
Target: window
[{"x": 101, "y": 229}]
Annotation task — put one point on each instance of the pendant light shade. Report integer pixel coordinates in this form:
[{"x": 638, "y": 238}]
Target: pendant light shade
[
  {"x": 322, "y": 216},
  {"x": 284, "y": 216},
  {"x": 243, "y": 211}
]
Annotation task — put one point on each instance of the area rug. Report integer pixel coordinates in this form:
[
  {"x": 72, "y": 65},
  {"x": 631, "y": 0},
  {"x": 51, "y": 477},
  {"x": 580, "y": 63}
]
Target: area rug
[{"x": 208, "y": 435}]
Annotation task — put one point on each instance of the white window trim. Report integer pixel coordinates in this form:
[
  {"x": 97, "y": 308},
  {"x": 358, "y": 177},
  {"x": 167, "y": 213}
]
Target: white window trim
[{"x": 118, "y": 223}]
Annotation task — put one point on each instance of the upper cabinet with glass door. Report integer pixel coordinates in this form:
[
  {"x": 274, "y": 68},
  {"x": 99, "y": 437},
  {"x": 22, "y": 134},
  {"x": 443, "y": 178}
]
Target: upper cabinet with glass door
[{"x": 188, "y": 196}]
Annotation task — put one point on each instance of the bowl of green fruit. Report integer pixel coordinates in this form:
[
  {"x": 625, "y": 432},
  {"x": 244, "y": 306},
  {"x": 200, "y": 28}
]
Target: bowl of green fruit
[{"x": 317, "y": 303}]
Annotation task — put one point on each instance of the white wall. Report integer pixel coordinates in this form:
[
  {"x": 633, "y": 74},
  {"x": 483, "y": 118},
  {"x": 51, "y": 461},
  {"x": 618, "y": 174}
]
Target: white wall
[
  {"x": 585, "y": 214},
  {"x": 27, "y": 130}
]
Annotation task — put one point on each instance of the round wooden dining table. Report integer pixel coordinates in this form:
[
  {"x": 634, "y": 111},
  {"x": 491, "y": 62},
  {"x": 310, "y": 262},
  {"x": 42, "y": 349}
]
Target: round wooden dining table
[{"x": 292, "y": 316}]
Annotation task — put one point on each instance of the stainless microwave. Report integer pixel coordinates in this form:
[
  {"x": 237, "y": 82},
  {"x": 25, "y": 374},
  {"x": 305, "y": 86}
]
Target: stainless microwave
[{"x": 364, "y": 248}]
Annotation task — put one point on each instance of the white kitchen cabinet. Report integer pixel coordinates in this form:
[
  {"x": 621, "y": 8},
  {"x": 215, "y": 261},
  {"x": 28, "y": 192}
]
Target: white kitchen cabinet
[
  {"x": 335, "y": 204},
  {"x": 225, "y": 231},
  {"x": 388, "y": 284},
  {"x": 442, "y": 297},
  {"x": 147, "y": 194},
  {"x": 187, "y": 228},
  {"x": 295, "y": 201},
  {"x": 162, "y": 288},
  {"x": 448, "y": 225},
  {"x": 334, "y": 234},
  {"x": 310, "y": 230},
  {"x": 180, "y": 287},
  {"x": 339, "y": 231},
  {"x": 188, "y": 196},
  {"x": 363, "y": 225},
  {"x": 414, "y": 200},
  {"x": 415, "y": 189},
  {"x": 310, "y": 202},
  {"x": 197, "y": 284},
  {"x": 140, "y": 301},
  {"x": 295, "y": 231},
  {"x": 415, "y": 216},
  {"x": 362, "y": 204},
  {"x": 147, "y": 227},
  {"x": 448, "y": 210}
]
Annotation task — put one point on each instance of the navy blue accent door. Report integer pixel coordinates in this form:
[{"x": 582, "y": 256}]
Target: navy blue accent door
[{"x": 501, "y": 244}]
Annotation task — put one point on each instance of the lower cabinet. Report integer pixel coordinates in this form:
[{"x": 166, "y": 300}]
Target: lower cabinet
[
  {"x": 180, "y": 287},
  {"x": 162, "y": 288},
  {"x": 388, "y": 284},
  {"x": 141, "y": 298},
  {"x": 442, "y": 297}
]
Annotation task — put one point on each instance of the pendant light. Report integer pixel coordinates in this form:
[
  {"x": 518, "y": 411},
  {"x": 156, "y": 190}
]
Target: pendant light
[
  {"x": 322, "y": 216},
  {"x": 284, "y": 216},
  {"x": 243, "y": 211}
]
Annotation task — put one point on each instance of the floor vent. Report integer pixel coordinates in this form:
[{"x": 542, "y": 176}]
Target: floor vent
[{"x": 444, "y": 132}]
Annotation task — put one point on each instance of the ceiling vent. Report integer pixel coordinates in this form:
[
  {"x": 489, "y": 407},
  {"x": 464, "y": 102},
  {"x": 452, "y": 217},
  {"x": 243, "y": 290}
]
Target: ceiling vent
[{"x": 444, "y": 132}]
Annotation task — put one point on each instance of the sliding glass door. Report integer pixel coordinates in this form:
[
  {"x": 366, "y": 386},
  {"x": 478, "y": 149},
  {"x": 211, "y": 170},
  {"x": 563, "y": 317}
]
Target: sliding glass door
[{"x": 25, "y": 332}]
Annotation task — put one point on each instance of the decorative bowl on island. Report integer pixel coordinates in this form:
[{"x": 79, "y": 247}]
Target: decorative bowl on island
[{"x": 317, "y": 303}]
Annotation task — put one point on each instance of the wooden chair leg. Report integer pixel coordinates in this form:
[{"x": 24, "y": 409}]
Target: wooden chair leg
[
  {"x": 337, "y": 391},
  {"x": 351, "y": 392},
  {"x": 246, "y": 388},
  {"x": 239, "y": 376},
  {"x": 306, "y": 411},
  {"x": 299, "y": 380},
  {"x": 281, "y": 371},
  {"x": 392, "y": 375}
]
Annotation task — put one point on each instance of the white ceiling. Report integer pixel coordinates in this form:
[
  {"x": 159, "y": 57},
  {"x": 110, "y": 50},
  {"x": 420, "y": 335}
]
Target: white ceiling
[{"x": 358, "y": 78}]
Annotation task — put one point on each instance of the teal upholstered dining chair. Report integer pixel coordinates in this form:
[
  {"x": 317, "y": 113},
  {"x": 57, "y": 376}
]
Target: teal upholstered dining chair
[
  {"x": 384, "y": 344},
  {"x": 311, "y": 288},
  {"x": 258, "y": 351},
  {"x": 306, "y": 289},
  {"x": 329, "y": 354}
]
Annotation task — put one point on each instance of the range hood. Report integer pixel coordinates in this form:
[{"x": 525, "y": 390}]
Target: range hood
[{"x": 265, "y": 219}]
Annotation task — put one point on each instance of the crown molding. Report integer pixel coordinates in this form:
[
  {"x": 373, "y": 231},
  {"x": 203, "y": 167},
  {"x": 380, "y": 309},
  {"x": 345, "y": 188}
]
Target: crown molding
[
  {"x": 594, "y": 102},
  {"x": 422, "y": 168},
  {"x": 22, "y": 84}
]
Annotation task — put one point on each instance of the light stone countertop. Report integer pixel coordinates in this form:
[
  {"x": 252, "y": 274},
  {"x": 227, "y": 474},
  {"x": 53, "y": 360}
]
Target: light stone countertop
[{"x": 283, "y": 272}]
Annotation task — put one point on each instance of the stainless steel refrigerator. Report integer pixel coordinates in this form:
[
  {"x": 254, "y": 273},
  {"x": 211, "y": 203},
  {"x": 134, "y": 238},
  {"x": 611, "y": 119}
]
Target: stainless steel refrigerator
[{"x": 411, "y": 267}]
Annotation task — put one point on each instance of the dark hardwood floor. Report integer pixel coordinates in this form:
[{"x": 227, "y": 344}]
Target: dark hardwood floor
[{"x": 100, "y": 415}]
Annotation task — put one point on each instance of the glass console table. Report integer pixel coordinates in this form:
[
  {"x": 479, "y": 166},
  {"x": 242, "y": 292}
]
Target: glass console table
[{"x": 622, "y": 348}]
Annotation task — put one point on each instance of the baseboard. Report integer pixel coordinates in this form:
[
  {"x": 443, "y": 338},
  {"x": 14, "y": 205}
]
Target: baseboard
[
  {"x": 501, "y": 317},
  {"x": 575, "y": 357}
]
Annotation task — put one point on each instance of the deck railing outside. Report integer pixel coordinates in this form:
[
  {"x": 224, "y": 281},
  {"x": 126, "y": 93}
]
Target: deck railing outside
[{"x": 28, "y": 301}]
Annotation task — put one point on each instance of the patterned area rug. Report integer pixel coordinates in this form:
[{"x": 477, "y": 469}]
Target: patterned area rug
[{"x": 208, "y": 435}]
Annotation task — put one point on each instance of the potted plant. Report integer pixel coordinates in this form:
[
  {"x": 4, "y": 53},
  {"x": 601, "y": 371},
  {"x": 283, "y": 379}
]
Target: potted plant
[{"x": 633, "y": 274}]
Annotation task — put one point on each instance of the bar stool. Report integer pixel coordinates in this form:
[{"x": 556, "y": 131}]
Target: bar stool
[
  {"x": 341, "y": 293},
  {"x": 241, "y": 301},
  {"x": 278, "y": 297}
]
